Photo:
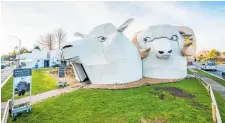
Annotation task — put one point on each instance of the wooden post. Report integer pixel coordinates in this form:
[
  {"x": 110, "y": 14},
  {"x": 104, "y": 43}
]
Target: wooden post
[{"x": 214, "y": 112}]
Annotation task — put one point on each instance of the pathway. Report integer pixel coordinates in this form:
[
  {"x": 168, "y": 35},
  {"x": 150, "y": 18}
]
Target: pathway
[
  {"x": 5, "y": 73},
  {"x": 42, "y": 96},
  {"x": 216, "y": 86}
]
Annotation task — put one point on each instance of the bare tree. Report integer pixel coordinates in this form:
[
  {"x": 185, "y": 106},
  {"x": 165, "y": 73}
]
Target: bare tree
[
  {"x": 60, "y": 35},
  {"x": 48, "y": 41}
]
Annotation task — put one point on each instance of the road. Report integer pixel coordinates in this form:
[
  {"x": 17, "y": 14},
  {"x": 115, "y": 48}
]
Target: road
[
  {"x": 5, "y": 73},
  {"x": 217, "y": 73}
]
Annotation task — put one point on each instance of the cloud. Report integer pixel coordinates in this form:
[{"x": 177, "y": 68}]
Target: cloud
[
  {"x": 29, "y": 20},
  {"x": 219, "y": 9},
  {"x": 209, "y": 29}
]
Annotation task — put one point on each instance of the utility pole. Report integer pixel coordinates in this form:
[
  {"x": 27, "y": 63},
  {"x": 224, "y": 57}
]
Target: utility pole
[{"x": 19, "y": 48}]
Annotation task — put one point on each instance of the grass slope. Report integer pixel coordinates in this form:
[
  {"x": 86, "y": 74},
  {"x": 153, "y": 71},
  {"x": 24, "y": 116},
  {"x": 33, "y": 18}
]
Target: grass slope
[
  {"x": 220, "y": 81},
  {"x": 41, "y": 82},
  {"x": 124, "y": 106},
  {"x": 221, "y": 105},
  {"x": 189, "y": 72}
]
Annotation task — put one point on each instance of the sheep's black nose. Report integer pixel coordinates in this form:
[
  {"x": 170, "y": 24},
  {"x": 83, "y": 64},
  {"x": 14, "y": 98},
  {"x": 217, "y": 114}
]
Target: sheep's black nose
[
  {"x": 170, "y": 51},
  {"x": 160, "y": 52}
]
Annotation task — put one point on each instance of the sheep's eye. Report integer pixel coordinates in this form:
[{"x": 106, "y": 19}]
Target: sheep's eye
[
  {"x": 101, "y": 38},
  {"x": 174, "y": 38},
  {"x": 147, "y": 39}
]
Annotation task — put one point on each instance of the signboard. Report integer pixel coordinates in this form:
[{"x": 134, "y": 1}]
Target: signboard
[
  {"x": 21, "y": 87},
  {"x": 62, "y": 76},
  {"x": 61, "y": 70}
]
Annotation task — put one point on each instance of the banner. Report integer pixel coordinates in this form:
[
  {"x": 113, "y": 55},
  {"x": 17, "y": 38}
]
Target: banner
[{"x": 22, "y": 82}]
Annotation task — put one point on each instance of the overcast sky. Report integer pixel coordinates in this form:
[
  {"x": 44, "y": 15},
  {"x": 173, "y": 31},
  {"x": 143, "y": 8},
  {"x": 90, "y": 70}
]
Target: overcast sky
[{"x": 30, "y": 20}]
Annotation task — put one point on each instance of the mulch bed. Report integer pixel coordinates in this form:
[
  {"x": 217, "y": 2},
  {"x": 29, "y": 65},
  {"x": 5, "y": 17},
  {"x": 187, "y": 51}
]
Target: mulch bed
[
  {"x": 142, "y": 82},
  {"x": 175, "y": 92}
]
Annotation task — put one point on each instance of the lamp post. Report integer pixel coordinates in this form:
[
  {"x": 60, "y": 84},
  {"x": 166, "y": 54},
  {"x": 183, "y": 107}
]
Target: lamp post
[{"x": 19, "y": 47}]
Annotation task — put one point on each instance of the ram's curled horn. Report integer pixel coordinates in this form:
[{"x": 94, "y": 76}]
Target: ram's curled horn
[
  {"x": 189, "y": 47},
  {"x": 79, "y": 35},
  {"x": 143, "y": 52}
]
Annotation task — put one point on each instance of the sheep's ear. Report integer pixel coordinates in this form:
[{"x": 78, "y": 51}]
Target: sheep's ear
[
  {"x": 79, "y": 35},
  {"x": 125, "y": 25},
  {"x": 189, "y": 47},
  {"x": 143, "y": 52}
]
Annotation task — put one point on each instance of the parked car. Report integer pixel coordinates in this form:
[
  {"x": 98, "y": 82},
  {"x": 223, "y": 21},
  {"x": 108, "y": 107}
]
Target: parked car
[
  {"x": 223, "y": 74},
  {"x": 189, "y": 63},
  {"x": 2, "y": 66},
  {"x": 209, "y": 66}
]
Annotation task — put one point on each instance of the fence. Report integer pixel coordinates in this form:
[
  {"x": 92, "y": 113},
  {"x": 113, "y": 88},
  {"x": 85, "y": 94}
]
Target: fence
[
  {"x": 6, "y": 112},
  {"x": 215, "y": 111}
]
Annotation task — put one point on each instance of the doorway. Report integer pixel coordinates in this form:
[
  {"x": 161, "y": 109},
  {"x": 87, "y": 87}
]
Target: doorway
[
  {"x": 80, "y": 72},
  {"x": 46, "y": 63}
]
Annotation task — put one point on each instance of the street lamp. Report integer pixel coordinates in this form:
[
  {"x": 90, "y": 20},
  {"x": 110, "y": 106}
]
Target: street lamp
[{"x": 19, "y": 46}]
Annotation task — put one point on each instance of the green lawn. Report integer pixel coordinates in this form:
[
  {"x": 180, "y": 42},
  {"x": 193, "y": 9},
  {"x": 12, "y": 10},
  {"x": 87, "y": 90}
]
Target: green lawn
[
  {"x": 189, "y": 72},
  {"x": 41, "y": 82},
  {"x": 125, "y": 106},
  {"x": 221, "y": 105},
  {"x": 220, "y": 81}
]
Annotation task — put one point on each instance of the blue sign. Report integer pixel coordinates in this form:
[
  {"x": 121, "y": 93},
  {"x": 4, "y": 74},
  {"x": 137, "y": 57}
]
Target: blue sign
[
  {"x": 22, "y": 72},
  {"x": 61, "y": 70}
]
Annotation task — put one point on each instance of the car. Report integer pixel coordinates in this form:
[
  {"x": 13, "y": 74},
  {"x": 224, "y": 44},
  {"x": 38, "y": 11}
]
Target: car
[
  {"x": 223, "y": 74},
  {"x": 2, "y": 66},
  {"x": 190, "y": 63},
  {"x": 209, "y": 66}
]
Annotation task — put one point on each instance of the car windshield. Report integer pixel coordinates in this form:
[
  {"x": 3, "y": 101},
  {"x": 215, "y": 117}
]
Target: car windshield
[{"x": 211, "y": 64}]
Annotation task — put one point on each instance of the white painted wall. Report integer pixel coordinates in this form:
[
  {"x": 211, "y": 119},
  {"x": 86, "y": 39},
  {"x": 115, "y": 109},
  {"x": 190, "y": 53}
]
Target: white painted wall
[
  {"x": 40, "y": 55},
  {"x": 112, "y": 60}
]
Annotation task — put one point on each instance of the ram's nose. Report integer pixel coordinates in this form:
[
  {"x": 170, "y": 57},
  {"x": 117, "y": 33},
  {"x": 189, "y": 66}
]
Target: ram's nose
[{"x": 162, "y": 52}]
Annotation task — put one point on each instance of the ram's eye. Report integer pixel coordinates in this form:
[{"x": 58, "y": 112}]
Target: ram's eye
[
  {"x": 101, "y": 38},
  {"x": 147, "y": 39},
  {"x": 174, "y": 37}
]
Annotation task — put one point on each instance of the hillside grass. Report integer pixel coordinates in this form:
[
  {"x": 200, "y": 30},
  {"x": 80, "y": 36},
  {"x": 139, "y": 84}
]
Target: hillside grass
[
  {"x": 125, "y": 106},
  {"x": 41, "y": 82},
  {"x": 221, "y": 105}
]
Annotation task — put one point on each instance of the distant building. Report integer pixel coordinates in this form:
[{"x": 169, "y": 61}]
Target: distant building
[{"x": 40, "y": 56}]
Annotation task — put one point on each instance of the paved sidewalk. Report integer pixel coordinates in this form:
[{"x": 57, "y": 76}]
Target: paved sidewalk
[
  {"x": 42, "y": 96},
  {"x": 5, "y": 73},
  {"x": 215, "y": 86}
]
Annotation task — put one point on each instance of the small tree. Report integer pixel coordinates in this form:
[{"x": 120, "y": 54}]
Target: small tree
[
  {"x": 212, "y": 54},
  {"x": 23, "y": 50},
  {"x": 223, "y": 53},
  {"x": 48, "y": 42},
  {"x": 60, "y": 36}
]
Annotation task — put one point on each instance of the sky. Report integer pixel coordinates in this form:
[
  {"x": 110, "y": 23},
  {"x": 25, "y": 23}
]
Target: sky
[{"x": 30, "y": 20}]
